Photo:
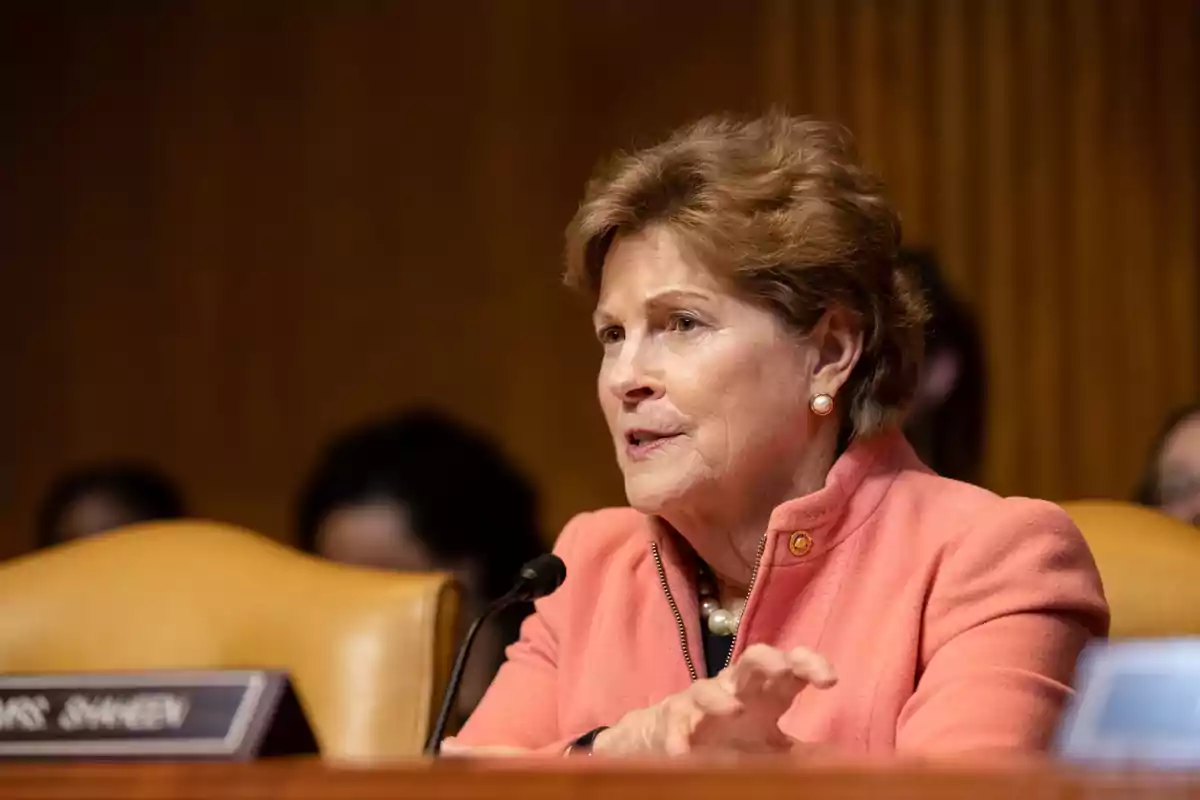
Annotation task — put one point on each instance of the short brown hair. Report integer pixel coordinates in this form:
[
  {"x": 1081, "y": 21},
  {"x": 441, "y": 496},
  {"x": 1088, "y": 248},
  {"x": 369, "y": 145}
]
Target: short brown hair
[{"x": 781, "y": 208}]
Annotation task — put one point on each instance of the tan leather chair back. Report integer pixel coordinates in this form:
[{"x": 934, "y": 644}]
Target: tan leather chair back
[
  {"x": 1150, "y": 565},
  {"x": 368, "y": 651}
]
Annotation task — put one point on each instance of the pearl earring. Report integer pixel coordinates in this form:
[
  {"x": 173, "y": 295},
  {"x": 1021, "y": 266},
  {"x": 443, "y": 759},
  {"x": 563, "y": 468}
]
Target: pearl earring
[{"x": 821, "y": 404}]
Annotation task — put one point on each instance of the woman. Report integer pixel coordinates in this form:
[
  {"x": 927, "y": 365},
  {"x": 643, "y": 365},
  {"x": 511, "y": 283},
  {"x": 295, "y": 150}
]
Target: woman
[
  {"x": 105, "y": 496},
  {"x": 945, "y": 421},
  {"x": 1171, "y": 480},
  {"x": 391, "y": 495},
  {"x": 789, "y": 573}
]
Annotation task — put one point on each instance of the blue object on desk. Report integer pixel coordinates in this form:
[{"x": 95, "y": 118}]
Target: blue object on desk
[{"x": 1137, "y": 703}]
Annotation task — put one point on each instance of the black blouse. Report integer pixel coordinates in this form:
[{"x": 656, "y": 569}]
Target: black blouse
[{"x": 716, "y": 649}]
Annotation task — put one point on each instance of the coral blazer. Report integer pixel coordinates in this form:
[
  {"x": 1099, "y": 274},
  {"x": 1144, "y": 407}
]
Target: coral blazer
[{"x": 952, "y": 616}]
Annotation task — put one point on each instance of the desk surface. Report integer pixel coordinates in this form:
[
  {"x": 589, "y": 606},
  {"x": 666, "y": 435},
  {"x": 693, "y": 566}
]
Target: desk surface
[{"x": 582, "y": 780}]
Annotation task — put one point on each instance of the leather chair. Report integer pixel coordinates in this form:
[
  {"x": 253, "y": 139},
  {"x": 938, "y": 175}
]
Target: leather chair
[
  {"x": 1150, "y": 565},
  {"x": 368, "y": 651}
]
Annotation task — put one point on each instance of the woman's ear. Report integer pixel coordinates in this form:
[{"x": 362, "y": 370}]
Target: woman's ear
[{"x": 838, "y": 339}]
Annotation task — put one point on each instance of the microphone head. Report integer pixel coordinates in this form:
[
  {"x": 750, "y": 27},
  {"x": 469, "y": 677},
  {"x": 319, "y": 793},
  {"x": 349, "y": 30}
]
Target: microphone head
[{"x": 541, "y": 576}]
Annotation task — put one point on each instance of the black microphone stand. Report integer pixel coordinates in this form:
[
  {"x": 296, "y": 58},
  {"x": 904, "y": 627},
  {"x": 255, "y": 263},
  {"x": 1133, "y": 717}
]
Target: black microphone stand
[
  {"x": 538, "y": 578},
  {"x": 433, "y": 746}
]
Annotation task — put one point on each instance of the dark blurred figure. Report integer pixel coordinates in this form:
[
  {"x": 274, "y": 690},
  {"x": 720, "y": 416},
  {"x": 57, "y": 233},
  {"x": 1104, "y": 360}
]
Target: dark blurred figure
[
  {"x": 1171, "y": 480},
  {"x": 420, "y": 492},
  {"x": 946, "y": 421},
  {"x": 105, "y": 496}
]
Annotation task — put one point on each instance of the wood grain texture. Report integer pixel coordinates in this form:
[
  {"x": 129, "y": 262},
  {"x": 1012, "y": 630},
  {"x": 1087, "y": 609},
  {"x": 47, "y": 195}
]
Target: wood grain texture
[
  {"x": 232, "y": 229},
  {"x": 578, "y": 779}
]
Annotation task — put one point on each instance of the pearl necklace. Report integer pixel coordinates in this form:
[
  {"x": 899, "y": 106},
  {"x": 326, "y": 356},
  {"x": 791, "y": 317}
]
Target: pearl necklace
[{"x": 721, "y": 621}]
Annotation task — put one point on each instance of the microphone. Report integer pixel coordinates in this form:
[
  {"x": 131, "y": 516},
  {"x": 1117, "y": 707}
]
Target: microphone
[{"x": 538, "y": 578}]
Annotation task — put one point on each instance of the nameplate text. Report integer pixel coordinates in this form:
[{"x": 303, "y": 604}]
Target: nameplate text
[{"x": 211, "y": 714}]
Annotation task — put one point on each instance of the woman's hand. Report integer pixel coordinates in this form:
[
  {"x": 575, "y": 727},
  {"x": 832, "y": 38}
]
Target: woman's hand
[{"x": 736, "y": 711}]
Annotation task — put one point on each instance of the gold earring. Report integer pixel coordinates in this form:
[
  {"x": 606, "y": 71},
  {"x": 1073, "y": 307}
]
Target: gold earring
[{"x": 821, "y": 404}]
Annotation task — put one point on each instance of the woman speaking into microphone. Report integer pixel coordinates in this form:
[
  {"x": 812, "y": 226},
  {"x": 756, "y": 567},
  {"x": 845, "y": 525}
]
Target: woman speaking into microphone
[{"x": 789, "y": 573}]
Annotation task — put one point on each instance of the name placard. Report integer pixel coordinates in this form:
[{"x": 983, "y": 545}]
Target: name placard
[
  {"x": 221, "y": 715},
  {"x": 1136, "y": 703}
]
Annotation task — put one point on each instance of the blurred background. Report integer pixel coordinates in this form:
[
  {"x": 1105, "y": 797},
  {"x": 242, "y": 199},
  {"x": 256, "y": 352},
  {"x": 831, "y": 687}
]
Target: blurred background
[{"x": 231, "y": 230}]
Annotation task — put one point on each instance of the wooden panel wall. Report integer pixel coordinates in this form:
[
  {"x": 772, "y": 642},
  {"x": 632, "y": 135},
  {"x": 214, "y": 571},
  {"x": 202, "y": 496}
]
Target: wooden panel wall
[
  {"x": 231, "y": 229},
  {"x": 1048, "y": 150}
]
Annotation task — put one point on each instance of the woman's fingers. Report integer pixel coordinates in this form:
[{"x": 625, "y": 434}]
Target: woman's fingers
[
  {"x": 812, "y": 667},
  {"x": 680, "y": 724},
  {"x": 762, "y": 671},
  {"x": 698, "y": 713},
  {"x": 738, "y": 710},
  {"x": 678, "y": 741},
  {"x": 765, "y": 658},
  {"x": 766, "y": 669},
  {"x": 769, "y": 679},
  {"x": 714, "y": 698},
  {"x": 748, "y": 675}
]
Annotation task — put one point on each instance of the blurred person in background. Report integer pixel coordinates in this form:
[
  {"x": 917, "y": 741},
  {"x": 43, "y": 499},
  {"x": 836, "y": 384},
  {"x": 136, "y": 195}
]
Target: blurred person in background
[
  {"x": 417, "y": 492},
  {"x": 104, "y": 496},
  {"x": 945, "y": 423},
  {"x": 1171, "y": 480}
]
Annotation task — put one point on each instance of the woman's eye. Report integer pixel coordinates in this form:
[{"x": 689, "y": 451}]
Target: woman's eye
[
  {"x": 683, "y": 323},
  {"x": 610, "y": 334}
]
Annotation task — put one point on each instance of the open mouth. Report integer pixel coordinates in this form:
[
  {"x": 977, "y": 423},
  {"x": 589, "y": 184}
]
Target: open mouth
[{"x": 639, "y": 442}]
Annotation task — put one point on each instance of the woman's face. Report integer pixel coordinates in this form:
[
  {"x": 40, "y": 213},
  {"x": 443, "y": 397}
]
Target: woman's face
[
  {"x": 1179, "y": 471},
  {"x": 700, "y": 389},
  {"x": 377, "y": 534},
  {"x": 95, "y": 512}
]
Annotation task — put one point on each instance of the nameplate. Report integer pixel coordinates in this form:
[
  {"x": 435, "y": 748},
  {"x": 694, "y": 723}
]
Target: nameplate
[
  {"x": 221, "y": 715},
  {"x": 1137, "y": 703}
]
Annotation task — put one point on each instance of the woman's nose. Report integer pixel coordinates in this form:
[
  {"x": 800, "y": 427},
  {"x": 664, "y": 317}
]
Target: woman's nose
[
  {"x": 635, "y": 392},
  {"x": 632, "y": 382}
]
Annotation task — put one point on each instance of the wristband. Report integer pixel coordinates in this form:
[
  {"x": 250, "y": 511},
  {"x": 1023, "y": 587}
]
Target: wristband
[{"x": 583, "y": 745}]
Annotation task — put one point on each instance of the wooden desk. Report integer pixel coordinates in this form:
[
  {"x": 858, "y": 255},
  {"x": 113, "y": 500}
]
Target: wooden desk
[{"x": 582, "y": 780}]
